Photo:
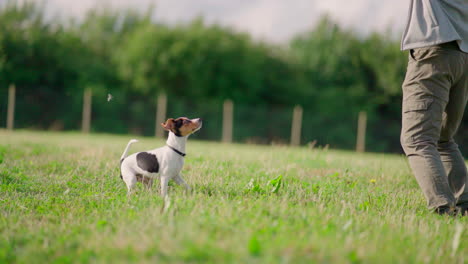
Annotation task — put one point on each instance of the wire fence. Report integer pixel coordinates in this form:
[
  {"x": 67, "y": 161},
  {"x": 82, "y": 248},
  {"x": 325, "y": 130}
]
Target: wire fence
[{"x": 129, "y": 113}]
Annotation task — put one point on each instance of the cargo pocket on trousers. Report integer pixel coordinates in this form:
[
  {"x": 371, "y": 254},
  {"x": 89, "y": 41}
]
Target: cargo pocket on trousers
[
  {"x": 417, "y": 119},
  {"x": 417, "y": 105}
]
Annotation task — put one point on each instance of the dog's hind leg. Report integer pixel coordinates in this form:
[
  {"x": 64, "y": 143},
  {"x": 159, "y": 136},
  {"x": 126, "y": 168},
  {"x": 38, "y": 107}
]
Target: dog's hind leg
[{"x": 130, "y": 180}]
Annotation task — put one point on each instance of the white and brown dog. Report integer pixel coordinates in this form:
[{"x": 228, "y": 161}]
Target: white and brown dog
[{"x": 167, "y": 161}]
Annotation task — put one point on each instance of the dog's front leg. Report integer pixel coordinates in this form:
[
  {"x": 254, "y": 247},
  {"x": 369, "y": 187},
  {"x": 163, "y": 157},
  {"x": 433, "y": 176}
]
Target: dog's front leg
[
  {"x": 180, "y": 181},
  {"x": 164, "y": 184}
]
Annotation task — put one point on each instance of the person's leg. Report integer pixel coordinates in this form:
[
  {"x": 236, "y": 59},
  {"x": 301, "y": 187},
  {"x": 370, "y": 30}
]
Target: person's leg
[
  {"x": 455, "y": 167},
  {"x": 452, "y": 158},
  {"x": 425, "y": 96}
]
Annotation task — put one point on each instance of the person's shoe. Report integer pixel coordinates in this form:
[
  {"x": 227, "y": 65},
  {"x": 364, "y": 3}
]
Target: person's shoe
[{"x": 446, "y": 210}]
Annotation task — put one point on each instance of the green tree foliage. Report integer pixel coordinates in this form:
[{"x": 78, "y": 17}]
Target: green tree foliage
[
  {"x": 350, "y": 74},
  {"x": 198, "y": 61},
  {"x": 40, "y": 59},
  {"x": 2, "y": 57},
  {"x": 102, "y": 32}
]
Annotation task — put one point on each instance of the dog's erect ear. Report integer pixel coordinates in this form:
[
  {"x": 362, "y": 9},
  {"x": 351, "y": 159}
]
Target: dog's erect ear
[{"x": 169, "y": 125}]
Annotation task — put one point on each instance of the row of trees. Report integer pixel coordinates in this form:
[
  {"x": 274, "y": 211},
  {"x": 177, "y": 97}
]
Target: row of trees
[{"x": 330, "y": 71}]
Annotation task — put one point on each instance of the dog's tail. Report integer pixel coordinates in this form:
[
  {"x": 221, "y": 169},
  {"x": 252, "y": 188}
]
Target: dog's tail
[{"x": 124, "y": 154}]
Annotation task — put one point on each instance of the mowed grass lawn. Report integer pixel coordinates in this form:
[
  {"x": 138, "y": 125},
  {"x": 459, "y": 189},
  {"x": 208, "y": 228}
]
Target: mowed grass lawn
[{"x": 62, "y": 201}]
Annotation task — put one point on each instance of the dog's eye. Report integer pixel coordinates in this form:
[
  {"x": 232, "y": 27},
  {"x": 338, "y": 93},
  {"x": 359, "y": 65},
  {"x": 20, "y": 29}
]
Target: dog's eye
[{"x": 186, "y": 121}]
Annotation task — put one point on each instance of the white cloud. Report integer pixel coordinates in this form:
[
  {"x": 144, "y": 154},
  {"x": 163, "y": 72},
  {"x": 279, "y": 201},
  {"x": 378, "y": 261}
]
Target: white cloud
[
  {"x": 367, "y": 15},
  {"x": 275, "y": 20}
]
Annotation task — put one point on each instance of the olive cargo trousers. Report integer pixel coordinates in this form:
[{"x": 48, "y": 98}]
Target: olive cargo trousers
[{"x": 435, "y": 93}]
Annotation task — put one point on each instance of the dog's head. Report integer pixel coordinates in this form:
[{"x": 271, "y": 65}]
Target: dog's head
[{"x": 182, "y": 126}]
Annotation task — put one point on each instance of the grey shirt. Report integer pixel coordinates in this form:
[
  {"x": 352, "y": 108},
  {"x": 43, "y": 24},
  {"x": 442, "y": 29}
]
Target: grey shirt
[{"x": 432, "y": 22}]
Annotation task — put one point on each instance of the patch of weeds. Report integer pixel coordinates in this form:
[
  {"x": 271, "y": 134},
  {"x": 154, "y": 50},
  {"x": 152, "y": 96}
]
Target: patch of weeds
[
  {"x": 38, "y": 149},
  {"x": 3, "y": 150},
  {"x": 364, "y": 206},
  {"x": 353, "y": 257},
  {"x": 315, "y": 188},
  {"x": 197, "y": 252},
  {"x": 12, "y": 152},
  {"x": 14, "y": 180},
  {"x": 6, "y": 178},
  {"x": 254, "y": 246},
  {"x": 334, "y": 175},
  {"x": 209, "y": 189},
  {"x": 272, "y": 186},
  {"x": 275, "y": 184},
  {"x": 316, "y": 162},
  {"x": 86, "y": 256},
  {"x": 54, "y": 167},
  {"x": 7, "y": 252},
  {"x": 329, "y": 228},
  {"x": 102, "y": 224},
  {"x": 254, "y": 186}
]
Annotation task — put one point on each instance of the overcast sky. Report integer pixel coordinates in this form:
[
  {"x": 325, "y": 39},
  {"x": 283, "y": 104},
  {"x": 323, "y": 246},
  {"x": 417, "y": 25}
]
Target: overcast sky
[{"x": 271, "y": 20}]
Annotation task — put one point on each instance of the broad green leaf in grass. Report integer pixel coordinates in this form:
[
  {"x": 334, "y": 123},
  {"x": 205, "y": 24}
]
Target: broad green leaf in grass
[
  {"x": 275, "y": 184},
  {"x": 254, "y": 246},
  {"x": 253, "y": 186}
]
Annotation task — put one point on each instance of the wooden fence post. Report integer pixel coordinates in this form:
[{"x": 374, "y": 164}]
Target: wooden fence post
[
  {"x": 11, "y": 107},
  {"x": 361, "y": 132},
  {"x": 228, "y": 113},
  {"x": 161, "y": 109},
  {"x": 296, "y": 126},
  {"x": 86, "y": 119}
]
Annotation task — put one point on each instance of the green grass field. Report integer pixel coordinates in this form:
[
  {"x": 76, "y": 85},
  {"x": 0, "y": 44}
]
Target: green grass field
[{"x": 62, "y": 201}]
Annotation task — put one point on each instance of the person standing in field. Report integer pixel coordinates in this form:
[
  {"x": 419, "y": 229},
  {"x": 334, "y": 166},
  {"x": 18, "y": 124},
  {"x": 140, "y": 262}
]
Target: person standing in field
[{"x": 435, "y": 93}]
